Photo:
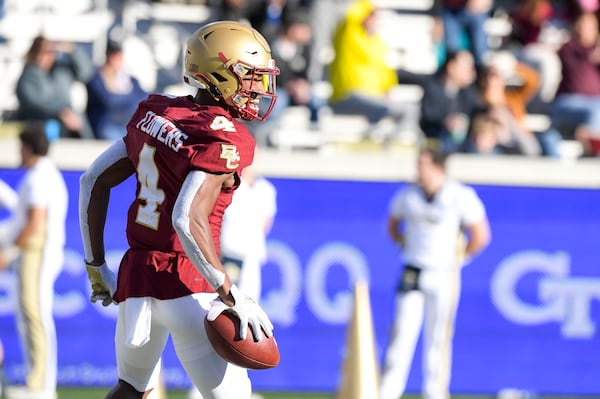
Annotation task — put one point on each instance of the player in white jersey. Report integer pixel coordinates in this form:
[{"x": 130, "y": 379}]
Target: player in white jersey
[
  {"x": 8, "y": 200},
  {"x": 246, "y": 224},
  {"x": 430, "y": 220},
  {"x": 34, "y": 246}
]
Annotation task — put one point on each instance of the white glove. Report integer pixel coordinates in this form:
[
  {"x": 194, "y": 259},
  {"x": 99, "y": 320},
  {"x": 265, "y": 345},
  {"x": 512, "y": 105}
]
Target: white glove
[
  {"x": 104, "y": 283},
  {"x": 247, "y": 310}
]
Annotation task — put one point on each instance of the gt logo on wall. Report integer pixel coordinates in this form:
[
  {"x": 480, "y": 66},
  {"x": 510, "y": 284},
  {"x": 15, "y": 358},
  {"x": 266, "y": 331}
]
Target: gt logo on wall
[{"x": 562, "y": 298}]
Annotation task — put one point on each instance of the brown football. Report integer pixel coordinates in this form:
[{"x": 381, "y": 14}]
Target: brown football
[{"x": 223, "y": 334}]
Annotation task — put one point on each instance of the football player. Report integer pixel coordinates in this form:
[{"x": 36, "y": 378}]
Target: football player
[
  {"x": 439, "y": 223},
  {"x": 187, "y": 154}
]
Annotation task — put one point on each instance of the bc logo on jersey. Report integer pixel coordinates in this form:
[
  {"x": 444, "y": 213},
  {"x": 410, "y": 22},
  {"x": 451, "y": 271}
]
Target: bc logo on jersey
[{"x": 230, "y": 153}]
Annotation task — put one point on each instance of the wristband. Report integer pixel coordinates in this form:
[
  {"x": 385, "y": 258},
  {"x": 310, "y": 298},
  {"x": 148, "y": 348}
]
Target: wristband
[{"x": 95, "y": 263}]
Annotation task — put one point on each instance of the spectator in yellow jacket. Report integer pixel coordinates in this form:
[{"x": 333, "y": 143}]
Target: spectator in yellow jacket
[{"x": 359, "y": 74}]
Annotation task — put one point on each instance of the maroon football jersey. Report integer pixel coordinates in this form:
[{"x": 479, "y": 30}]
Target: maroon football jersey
[{"x": 168, "y": 137}]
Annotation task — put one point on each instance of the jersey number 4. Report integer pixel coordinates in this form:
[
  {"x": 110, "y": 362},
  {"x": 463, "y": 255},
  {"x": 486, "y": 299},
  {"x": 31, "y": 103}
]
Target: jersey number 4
[{"x": 148, "y": 175}]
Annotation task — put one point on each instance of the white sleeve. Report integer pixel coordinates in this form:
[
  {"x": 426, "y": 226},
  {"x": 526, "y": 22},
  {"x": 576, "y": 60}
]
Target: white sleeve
[
  {"x": 87, "y": 181},
  {"x": 8, "y": 197},
  {"x": 181, "y": 223},
  {"x": 270, "y": 198},
  {"x": 472, "y": 208},
  {"x": 40, "y": 185},
  {"x": 397, "y": 207}
]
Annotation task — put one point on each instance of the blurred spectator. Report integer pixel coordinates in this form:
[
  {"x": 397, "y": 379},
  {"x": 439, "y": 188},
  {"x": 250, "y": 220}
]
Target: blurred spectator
[
  {"x": 325, "y": 15},
  {"x": 44, "y": 87},
  {"x": 588, "y": 5},
  {"x": 505, "y": 80},
  {"x": 537, "y": 33},
  {"x": 113, "y": 95},
  {"x": 506, "y": 95},
  {"x": 513, "y": 138},
  {"x": 464, "y": 22},
  {"x": 34, "y": 248},
  {"x": 528, "y": 18},
  {"x": 449, "y": 100},
  {"x": 438, "y": 39},
  {"x": 359, "y": 74},
  {"x": 483, "y": 136},
  {"x": 231, "y": 10},
  {"x": 291, "y": 51},
  {"x": 266, "y": 16},
  {"x": 569, "y": 10},
  {"x": 577, "y": 104}
]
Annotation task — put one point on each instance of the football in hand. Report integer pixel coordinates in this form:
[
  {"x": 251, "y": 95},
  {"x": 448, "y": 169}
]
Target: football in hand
[{"x": 223, "y": 334}]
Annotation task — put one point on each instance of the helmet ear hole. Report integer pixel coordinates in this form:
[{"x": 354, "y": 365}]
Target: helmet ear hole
[
  {"x": 214, "y": 90},
  {"x": 220, "y": 78}
]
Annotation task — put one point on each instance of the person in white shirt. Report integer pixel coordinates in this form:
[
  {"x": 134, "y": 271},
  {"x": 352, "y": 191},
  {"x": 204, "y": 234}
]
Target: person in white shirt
[
  {"x": 8, "y": 200},
  {"x": 33, "y": 246},
  {"x": 439, "y": 224},
  {"x": 246, "y": 224}
]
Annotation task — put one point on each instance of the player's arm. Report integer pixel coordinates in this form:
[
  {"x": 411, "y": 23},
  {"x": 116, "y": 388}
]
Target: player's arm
[
  {"x": 194, "y": 204},
  {"x": 34, "y": 223},
  {"x": 394, "y": 230},
  {"x": 479, "y": 237},
  {"x": 111, "y": 168}
]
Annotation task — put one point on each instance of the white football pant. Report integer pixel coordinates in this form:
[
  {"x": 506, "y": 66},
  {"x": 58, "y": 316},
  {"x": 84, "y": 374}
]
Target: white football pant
[
  {"x": 435, "y": 302},
  {"x": 183, "y": 319}
]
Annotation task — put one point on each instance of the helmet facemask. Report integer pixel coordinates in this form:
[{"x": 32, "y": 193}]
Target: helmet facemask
[{"x": 251, "y": 100}]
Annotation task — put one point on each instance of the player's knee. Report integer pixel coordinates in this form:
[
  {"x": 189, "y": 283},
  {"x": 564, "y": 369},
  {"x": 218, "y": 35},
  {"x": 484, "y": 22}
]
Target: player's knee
[{"x": 124, "y": 390}]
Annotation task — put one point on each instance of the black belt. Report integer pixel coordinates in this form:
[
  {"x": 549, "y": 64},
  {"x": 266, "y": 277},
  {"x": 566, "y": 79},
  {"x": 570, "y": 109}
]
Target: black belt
[{"x": 409, "y": 281}]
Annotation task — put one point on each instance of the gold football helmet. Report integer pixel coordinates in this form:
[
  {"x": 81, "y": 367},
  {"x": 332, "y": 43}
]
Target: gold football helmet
[{"x": 233, "y": 62}]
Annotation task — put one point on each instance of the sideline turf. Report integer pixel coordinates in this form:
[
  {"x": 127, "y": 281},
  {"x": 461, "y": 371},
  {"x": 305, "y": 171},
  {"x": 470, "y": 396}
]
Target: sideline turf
[{"x": 95, "y": 393}]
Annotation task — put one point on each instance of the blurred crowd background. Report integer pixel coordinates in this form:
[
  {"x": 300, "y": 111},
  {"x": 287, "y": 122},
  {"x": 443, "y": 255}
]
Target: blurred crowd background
[{"x": 472, "y": 76}]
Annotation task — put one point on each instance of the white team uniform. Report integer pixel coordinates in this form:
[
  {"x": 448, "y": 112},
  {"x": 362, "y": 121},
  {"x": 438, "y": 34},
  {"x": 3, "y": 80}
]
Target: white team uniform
[
  {"x": 431, "y": 234},
  {"x": 9, "y": 200},
  {"x": 242, "y": 234},
  {"x": 38, "y": 267}
]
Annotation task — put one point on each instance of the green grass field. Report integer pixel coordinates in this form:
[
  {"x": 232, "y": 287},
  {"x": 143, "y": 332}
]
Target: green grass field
[
  {"x": 80, "y": 393},
  {"x": 76, "y": 393},
  {"x": 89, "y": 393}
]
